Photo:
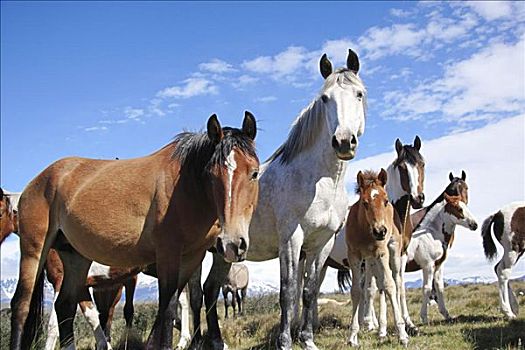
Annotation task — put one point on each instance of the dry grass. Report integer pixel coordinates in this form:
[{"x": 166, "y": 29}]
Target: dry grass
[{"x": 477, "y": 324}]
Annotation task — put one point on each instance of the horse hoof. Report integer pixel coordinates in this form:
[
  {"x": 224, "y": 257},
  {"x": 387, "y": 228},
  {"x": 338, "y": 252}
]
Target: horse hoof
[
  {"x": 382, "y": 339},
  {"x": 404, "y": 342},
  {"x": 412, "y": 330},
  {"x": 218, "y": 345},
  {"x": 309, "y": 345}
]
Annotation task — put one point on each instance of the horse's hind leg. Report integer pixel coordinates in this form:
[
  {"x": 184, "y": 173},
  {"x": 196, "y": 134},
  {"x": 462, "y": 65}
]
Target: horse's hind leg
[
  {"x": 226, "y": 302},
  {"x": 243, "y": 296},
  {"x": 106, "y": 300},
  {"x": 55, "y": 276},
  {"x": 35, "y": 242},
  {"x": 129, "y": 310},
  {"x": 440, "y": 296},
  {"x": 185, "y": 335},
  {"x": 195, "y": 296},
  {"x": 503, "y": 270}
]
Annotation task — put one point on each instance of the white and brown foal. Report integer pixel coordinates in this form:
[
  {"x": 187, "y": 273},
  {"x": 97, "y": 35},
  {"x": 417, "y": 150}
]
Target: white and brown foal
[{"x": 509, "y": 229}]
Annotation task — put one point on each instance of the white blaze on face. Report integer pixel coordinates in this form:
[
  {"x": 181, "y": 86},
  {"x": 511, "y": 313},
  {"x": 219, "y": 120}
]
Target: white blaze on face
[
  {"x": 413, "y": 179},
  {"x": 98, "y": 270},
  {"x": 231, "y": 165},
  {"x": 374, "y": 193}
]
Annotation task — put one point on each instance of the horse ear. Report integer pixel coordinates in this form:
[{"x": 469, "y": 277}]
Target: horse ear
[
  {"x": 399, "y": 146},
  {"x": 382, "y": 177},
  {"x": 463, "y": 175},
  {"x": 417, "y": 143},
  {"x": 325, "y": 66},
  {"x": 352, "y": 61},
  {"x": 249, "y": 125},
  {"x": 450, "y": 176},
  {"x": 360, "y": 179},
  {"x": 1, "y": 192},
  {"x": 214, "y": 129}
]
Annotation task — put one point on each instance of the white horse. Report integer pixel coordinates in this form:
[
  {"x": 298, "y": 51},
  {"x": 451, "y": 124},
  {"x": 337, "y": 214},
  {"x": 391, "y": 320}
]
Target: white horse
[
  {"x": 430, "y": 242},
  {"x": 302, "y": 199},
  {"x": 509, "y": 229}
]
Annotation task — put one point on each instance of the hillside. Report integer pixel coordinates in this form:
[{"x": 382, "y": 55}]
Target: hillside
[{"x": 477, "y": 323}]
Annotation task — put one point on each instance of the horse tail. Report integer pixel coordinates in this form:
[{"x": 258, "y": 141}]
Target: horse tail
[
  {"x": 33, "y": 324},
  {"x": 344, "y": 280},
  {"x": 488, "y": 242}
]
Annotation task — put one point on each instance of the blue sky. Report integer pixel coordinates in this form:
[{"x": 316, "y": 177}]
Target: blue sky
[{"x": 107, "y": 80}]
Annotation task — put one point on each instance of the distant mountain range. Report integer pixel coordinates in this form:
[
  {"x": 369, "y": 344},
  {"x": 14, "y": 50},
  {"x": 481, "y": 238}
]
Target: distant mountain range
[{"x": 147, "y": 287}]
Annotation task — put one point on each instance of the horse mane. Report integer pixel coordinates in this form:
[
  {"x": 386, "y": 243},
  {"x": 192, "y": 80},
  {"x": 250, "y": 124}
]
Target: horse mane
[
  {"x": 308, "y": 124},
  {"x": 197, "y": 153},
  {"x": 369, "y": 177},
  {"x": 409, "y": 154},
  {"x": 452, "y": 190}
]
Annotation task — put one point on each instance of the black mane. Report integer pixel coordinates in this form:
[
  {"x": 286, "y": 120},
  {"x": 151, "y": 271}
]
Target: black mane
[{"x": 198, "y": 154}]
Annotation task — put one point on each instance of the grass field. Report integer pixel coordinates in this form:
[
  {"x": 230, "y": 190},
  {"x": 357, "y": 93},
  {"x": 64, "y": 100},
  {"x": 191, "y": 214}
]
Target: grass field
[{"x": 477, "y": 324}]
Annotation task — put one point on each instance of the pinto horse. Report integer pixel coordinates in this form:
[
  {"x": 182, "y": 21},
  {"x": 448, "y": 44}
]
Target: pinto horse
[
  {"x": 509, "y": 229},
  {"x": 236, "y": 282},
  {"x": 370, "y": 227},
  {"x": 302, "y": 203},
  {"x": 167, "y": 208}
]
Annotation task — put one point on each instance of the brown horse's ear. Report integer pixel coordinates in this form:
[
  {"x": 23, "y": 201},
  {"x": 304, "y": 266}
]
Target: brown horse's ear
[
  {"x": 450, "y": 176},
  {"x": 399, "y": 147},
  {"x": 360, "y": 180},
  {"x": 325, "y": 66},
  {"x": 249, "y": 125},
  {"x": 417, "y": 143},
  {"x": 382, "y": 177},
  {"x": 463, "y": 175},
  {"x": 352, "y": 61},
  {"x": 214, "y": 129}
]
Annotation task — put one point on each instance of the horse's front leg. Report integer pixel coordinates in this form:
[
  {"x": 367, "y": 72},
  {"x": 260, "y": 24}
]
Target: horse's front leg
[
  {"x": 439, "y": 285},
  {"x": 428, "y": 275},
  {"x": 196, "y": 297},
  {"x": 411, "y": 327},
  {"x": 314, "y": 266},
  {"x": 212, "y": 287},
  {"x": 289, "y": 250},
  {"x": 386, "y": 282},
  {"x": 356, "y": 293},
  {"x": 367, "y": 315},
  {"x": 168, "y": 270},
  {"x": 185, "y": 335}
]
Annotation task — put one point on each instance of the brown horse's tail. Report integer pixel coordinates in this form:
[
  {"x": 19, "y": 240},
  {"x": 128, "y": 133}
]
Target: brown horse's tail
[
  {"x": 344, "y": 280},
  {"x": 488, "y": 242},
  {"x": 33, "y": 325}
]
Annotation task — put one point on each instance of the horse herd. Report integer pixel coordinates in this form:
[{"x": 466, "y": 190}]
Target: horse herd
[{"x": 208, "y": 191}]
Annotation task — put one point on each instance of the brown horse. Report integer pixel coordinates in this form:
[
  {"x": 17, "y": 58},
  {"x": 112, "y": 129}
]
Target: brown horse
[
  {"x": 370, "y": 227},
  {"x": 167, "y": 208},
  {"x": 8, "y": 216}
]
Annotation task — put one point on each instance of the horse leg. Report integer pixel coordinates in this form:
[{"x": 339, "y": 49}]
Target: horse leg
[
  {"x": 212, "y": 286},
  {"x": 26, "y": 304},
  {"x": 234, "y": 301},
  {"x": 315, "y": 309},
  {"x": 356, "y": 293},
  {"x": 168, "y": 270},
  {"x": 411, "y": 327},
  {"x": 129, "y": 310},
  {"x": 439, "y": 285},
  {"x": 55, "y": 276},
  {"x": 289, "y": 252},
  {"x": 243, "y": 296},
  {"x": 428, "y": 275},
  {"x": 386, "y": 282},
  {"x": 195, "y": 296},
  {"x": 90, "y": 312},
  {"x": 226, "y": 302},
  {"x": 105, "y": 300},
  {"x": 52, "y": 326},
  {"x": 503, "y": 271},
  {"x": 185, "y": 335},
  {"x": 73, "y": 291},
  {"x": 296, "y": 321},
  {"x": 367, "y": 315}
]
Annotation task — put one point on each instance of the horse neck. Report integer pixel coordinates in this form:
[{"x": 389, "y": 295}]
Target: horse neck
[
  {"x": 393, "y": 185},
  {"x": 434, "y": 220},
  {"x": 402, "y": 207}
]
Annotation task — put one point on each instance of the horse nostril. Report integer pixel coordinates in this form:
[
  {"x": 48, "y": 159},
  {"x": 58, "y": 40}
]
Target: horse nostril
[
  {"x": 353, "y": 141},
  {"x": 243, "y": 246},
  {"x": 421, "y": 197},
  {"x": 219, "y": 246},
  {"x": 335, "y": 144},
  {"x": 474, "y": 226},
  {"x": 344, "y": 146}
]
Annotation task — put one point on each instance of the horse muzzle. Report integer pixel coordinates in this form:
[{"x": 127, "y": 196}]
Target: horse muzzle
[
  {"x": 379, "y": 233},
  {"x": 473, "y": 225},
  {"x": 231, "y": 251},
  {"x": 345, "y": 149},
  {"x": 417, "y": 202}
]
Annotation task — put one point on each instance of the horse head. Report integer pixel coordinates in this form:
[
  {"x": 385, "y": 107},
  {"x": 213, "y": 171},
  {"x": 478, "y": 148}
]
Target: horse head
[
  {"x": 411, "y": 168},
  {"x": 458, "y": 213}
]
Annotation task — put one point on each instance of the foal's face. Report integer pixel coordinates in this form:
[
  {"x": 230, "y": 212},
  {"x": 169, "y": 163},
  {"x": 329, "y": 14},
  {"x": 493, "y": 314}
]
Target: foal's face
[
  {"x": 235, "y": 189},
  {"x": 378, "y": 210},
  {"x": 458, "y": 213}
]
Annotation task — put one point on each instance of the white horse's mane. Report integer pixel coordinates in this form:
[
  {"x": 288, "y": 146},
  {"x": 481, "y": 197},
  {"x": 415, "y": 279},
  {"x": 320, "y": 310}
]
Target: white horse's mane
[{"x": 307, "y": 125}]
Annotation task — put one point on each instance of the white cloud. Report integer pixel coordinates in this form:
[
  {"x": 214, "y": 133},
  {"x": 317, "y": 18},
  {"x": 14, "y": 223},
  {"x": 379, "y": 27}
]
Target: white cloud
[
  {"x": 265, "y": 99},
  {"x": 244, "y": 80},
  {"x": 491, "y": 10},
  {"x": 284, "y": 64},
  {"x": 398, "y": 38},
  {"x": 133, "y": 113},
  {"x": 96, "y": 128},
  {"x": 191, "y": 87},
  {"x": 490, "y": 81},
  {"x": 400, "y": 13},
  {"x": 216, "y": 66}
]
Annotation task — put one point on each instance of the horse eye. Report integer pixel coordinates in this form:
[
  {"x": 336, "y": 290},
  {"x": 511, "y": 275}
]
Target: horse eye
[
  {"x": 255, "y": 175},
  {"x": 359, "y": 95},
  {"x": 386, "y": 203},
  {"x": 324, "y": 98},
  {"x": 365, "y": 204}
]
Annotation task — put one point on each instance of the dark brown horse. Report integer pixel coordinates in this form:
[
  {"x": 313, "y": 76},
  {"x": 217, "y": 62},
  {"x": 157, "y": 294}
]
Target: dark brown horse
[{"x": 167, "y": 208}]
